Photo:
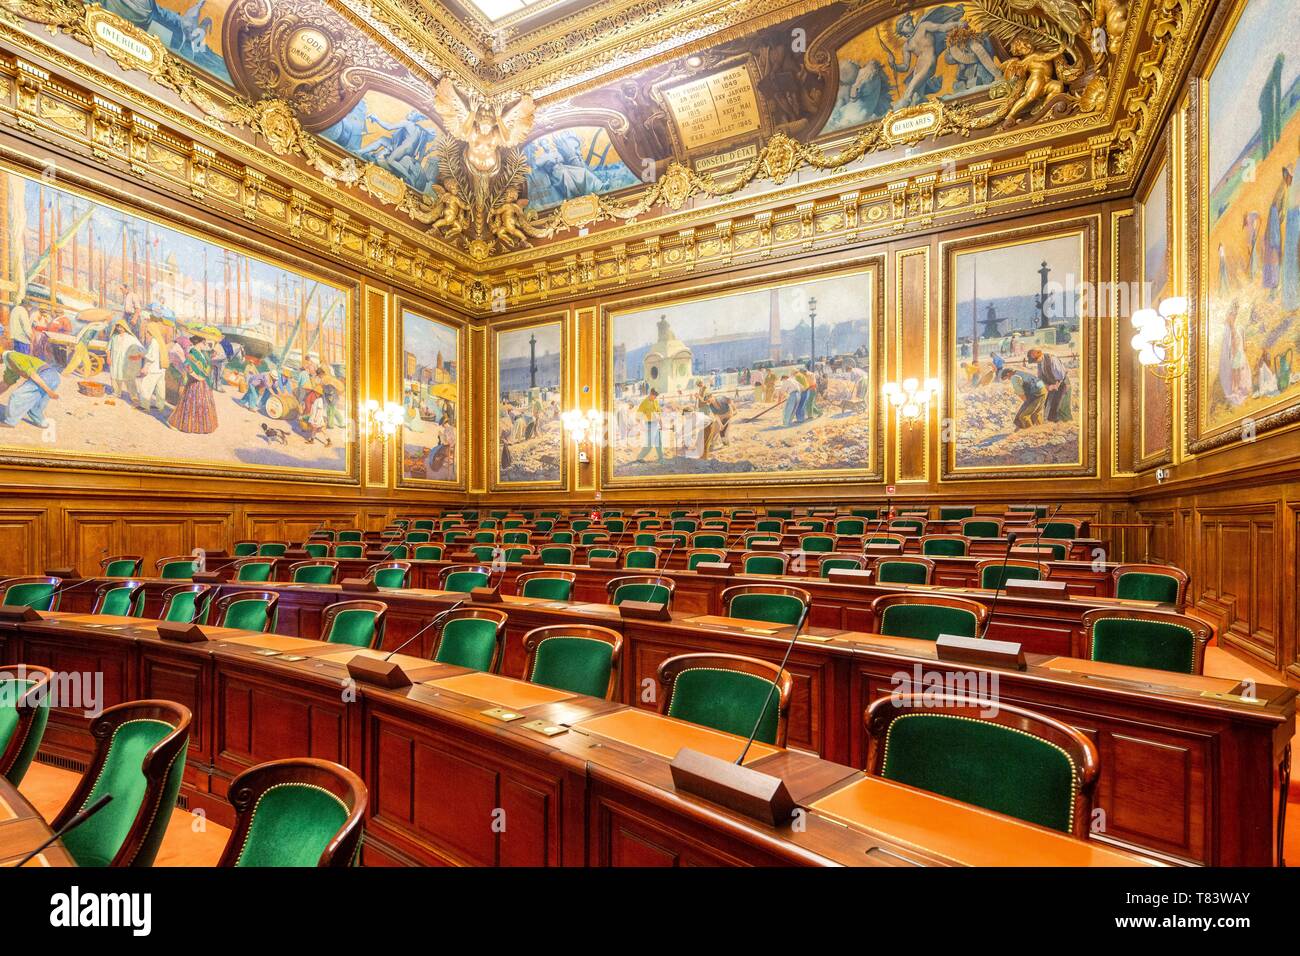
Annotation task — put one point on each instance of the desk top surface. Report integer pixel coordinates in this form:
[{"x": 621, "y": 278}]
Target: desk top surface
[{"x": 22, "y": 830}]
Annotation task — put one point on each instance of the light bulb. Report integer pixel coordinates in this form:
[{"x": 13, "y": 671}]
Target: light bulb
[
  {"x": 910, "y": 385},
  {"x": 1174, "y": 305},
  {"x": 1143, "y": 317}
]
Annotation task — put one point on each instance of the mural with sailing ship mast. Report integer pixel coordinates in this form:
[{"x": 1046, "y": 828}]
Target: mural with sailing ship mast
[{"x": 134, "y": 344}]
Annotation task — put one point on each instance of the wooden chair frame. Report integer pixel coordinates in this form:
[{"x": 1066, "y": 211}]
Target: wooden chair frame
[
  {"x": 640, "y": 549},
  {"x": 135, "y": 572},
  {"x": 784, "y": 558},
  {"x": 885, "y": 601},
  {"x": 670, "y": 669},
  {"x": 201, "y": 595},
  {"x": 451, "y": 569},
  {"x": 614, "y": 584},
  {"x": 102, "y": 591},
  {"x": 730, "y": 594},
  {"x": 332, "y": 611},
  {"x": 163, "y": 562},
  {"x": 500, "y": 618},
  {"x": 543, "y": 575},
  {"x": 927, "y": 563},
  {"x": 55, "y": 583},
  {"x": 404, "y": 566},
  {"x": 1167, "y": 570},
  {"x": 217, "y": 612},
  {"x": 534, "y": 638},
  {"x": 27, "y": 706},
  {"x": 253, "y": 560},
  {"x": 1043, "y": 568},
  {"x": 1202, "y": 631},
  {"x": 943, "y": 537},
  {"x": 330, "y": 563},
  {"x": 986, "y": 519}
]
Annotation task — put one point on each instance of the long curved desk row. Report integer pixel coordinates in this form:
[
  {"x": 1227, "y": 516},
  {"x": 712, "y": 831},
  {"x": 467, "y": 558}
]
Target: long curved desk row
[
  {"x": 480, "y": 769},
  {"x": 1192, "y": 768}
]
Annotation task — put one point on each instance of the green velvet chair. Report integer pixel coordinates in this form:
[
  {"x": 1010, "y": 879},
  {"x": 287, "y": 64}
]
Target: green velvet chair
[
  {"x": 557, "y": 554},
  {"x": 544, "y": 526},
  {"x": 981, "y": 528},
  {"x": 1160, "y": 640},
  {"x": 994, "y": 573},
  {"x": 580, "y": 525},
  {"x": 783, "y": 513},
  {"x": 958, "y": 513},
  {"x": 24, "y": 713},
  {"x": 272, "y": 549},
  {"x": 1066, "y": 528},
  {"x": 926, "y": 616},
  {"x": 317, "y": 549},
  {"x": 516, "y": 537},
  {"x": 349, "y": 551},
  {"x": 850, "y": 527},
  {"x": 579, "y": 658},
  {"x": 122, "y": 566},
  {"x": 645, "y": 539},
  {"x": 315, "y": 571},
  {"x": 423, "y": 524},
  {"x": 771, "y": 603},
  {"x": 455, "y": 537},
  {"x": 254, "y": 571},
  {"x": 688, "y": 525},
  {"x": 186, "y": 603},
  {"x": 37, "y": 592},
  {"x": 244, "y": 549},
  {"x": 1151, "y": 582},
  {"x": 353, "y": 537},
  {"x": 398, "y": 552},
  {"x": 472, "y": 637},
  {"x": 908, "y": 525},
  {"x": 394, "y": 575},
  {"x": 641, "y": 587},
  {"x": 178, "y": 568},
  {"x": 594, "y": 537},
  {"x": 485, "y": 537},
  {"x": 771, "y": 563},
  {"x": 355, "y": 623},
  {"x": 819, "y": 543},
  {"x": 562, "y": 537},
  {"x": 464, "y": 577},
  {"x": 911, "y": 569},
  {"x": 119, "y": 598},
  {"x": 707, "y": 540},
  {"x": 546, "y": 585},
  {"x": 945, "y": 545},
  {"x": 761, "y": 538},
  {"x": 487, "y": 553},
  {"x": 516, "y": 555},
  {"x": 707, "y": 555},
  {"x": 997, "y": 756},
  {"x": 870, "y": 514},
  {"x": 708, "y": 513},
  {"x": 139, "y": 759},
  {"x": 247, "y": 610},
  {"x": 770, "y": 526},
  {"x": 601, "y": 552},
  {"x": 428, "y": 552},
  {"x": 641, "y": 559},
  {"x": 1042, "y": 549},
  {"x": 418, "y": 537},
  {"x": 840, "y": 562},
  {"x": 728, "y": 692}
]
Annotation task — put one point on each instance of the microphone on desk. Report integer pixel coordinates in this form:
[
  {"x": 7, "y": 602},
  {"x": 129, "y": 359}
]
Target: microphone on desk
[
  {"x": 421, "y": 632},
  {"x": 798, "y": 629},
  {"x": 384, "y": 671},
  {"x": 1038, "y": 538},
  {"x": 997, "y": 591},
  {"x": 77, "y": 820}
]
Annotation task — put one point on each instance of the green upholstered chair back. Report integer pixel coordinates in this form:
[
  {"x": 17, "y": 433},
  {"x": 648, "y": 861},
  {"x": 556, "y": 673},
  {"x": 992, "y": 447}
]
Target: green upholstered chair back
[
  {"x": 544, "y": 526},
  {"x": 484, "y": 552},
  {"x": 24, "y": 713},
  {"x": 245, "y": 549},
  {"x": 398, "y": 552},
  {"x": 1156, "y": 639},
  {"x": 515, "y": 537},
  {"x": 818, "y": 543},
  {"x": 725, "y": 699},
  {"x": 975, "y": 528},
  {"x": 955, "y": 514},
  {"x": 350, "y": 536},
  {"x": 1148, "y": 585},
  {"x": 907, "y": 524},
  {"x": 990, "y": 765},
  {"x": 390, "y": 577},
  {"x": 926, "y": 621},
  {"x": 1060, "y": 529},
  {"x": 763, "y": 605},
  {"x": 423, "y": 524},
  {"x": 314, "y": 574},
  {"x": 471, "y": 640},
  {"x": 122, "y": 600},
  {"x": 840, "y": 563},
  {"x": 580, "y": 524},
  {"x": 254, "y": 611},
  {"x": 995, "y": 575},
  {"x": 943, "y": 547},
  {"x": 317, "y": 549},
  {"x": 272, "y": 549},
  {"x": 695, "y": 558},
  {"x": 594, "y": 537},
  {"x": 417, "y": 537},
  {"x": 258, "y": 571},
  {"x": 36, "y": 593},
  {"x": 705, "y": 540},
  {"x": 615, "y": 525},
  {"x": 123, "y": 567},
  {"x": 783, "y": 513},
  {"x": 139, "y": 760},
  {"x": 515, "y": 555},
  {"x": 557, "y": 555},
  {"x": 452, "y": 537},
  {"x": 187, "y": 604},
  {"x": 711, "y": 513},
  {"x": 602, "y": 552},
  {"x": 650, "y": 592},
  {"x": 355, "y": 623},
  {"x": 485, "y": 537},
  {"x": 851, "y": 527},
  {"x": 764, "y": 564},
  {"x": 466, "y": 580},
  {"x": 817, "y": 525},
  {"x": 573, "y": 659},
  {"x": 871, "y": 514},
  {"x": 688, "y": 525},
  {"x": 548, "y": 588},
  {"x": 770, "y": 525},
  {"x": 645, "y": 539},
  {"x": 292, "y": 825},
  {"x": 428, "y": 552},
  {"x": 641, "y": 559},
  {"x": 901, "y": 571},
  {"x": 349, "y": 550},
  {"x": 562, "y": 537}
]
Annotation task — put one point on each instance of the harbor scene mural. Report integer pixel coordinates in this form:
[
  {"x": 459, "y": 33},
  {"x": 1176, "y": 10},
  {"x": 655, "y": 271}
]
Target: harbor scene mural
[
  {"x": 1251, "y": 249},
  {"x": 1018, "y": 355},
  {"x": 770, "y": 381},
  {"x": 431, "y": 399},
  {"x": 132, "y": 342},
  {"x": 529, "y": 373}
]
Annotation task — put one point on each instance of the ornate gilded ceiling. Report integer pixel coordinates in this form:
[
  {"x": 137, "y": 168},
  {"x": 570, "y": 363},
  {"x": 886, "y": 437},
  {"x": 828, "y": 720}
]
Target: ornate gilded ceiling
[{"x": 561, "y": 123}]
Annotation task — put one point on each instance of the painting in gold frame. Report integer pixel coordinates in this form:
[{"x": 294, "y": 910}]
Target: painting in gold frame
[
  {"x": 1244, "y": 229},
  {"x": 1019, "y": 350},
  {"x": 431, "y": 378},
  {"x": 529, "y": 364},
  {"x": 1153, "y": 436},
  {"x": 720, "y": 382},
  {"x": 147, "y": 334}
]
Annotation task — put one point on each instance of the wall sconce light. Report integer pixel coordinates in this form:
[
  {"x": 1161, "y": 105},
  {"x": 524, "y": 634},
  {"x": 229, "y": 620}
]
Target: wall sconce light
[
  {"x": 384, "y": 419},
  {"x": 910, "y": 399},
  {"x": 1161, "y": 339},
  {"x": 583, "y": 427}
]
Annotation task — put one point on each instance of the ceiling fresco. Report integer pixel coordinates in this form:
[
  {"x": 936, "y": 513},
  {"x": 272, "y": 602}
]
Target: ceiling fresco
[{"x": 490, "y": 169}]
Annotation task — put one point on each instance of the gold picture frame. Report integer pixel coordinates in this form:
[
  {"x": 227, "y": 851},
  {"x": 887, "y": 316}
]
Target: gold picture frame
[
  {"x": 491, "y": 419},
  {"x": 1162, "y": 165},
  {"x": 1085, "y": 465}
]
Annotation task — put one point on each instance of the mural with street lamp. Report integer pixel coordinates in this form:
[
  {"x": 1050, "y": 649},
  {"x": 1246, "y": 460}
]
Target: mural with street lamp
[{"x": 529, "y": 377}]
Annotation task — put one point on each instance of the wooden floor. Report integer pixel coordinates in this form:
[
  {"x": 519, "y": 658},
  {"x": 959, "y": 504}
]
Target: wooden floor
[{"x": 196, "y": 841}]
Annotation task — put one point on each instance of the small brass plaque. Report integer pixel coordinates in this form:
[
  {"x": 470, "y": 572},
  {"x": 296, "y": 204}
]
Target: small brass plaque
[
  {"x": 500, "y": 713},
  {"x": 543, "y": 727}
]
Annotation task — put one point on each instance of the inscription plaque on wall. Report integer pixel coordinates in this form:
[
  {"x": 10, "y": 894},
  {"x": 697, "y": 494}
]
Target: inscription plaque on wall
[{"x": 713, "y": 108}]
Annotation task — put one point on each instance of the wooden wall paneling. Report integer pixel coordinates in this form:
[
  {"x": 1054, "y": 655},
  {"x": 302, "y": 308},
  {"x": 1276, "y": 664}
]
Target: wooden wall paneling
[
  {"x": 1237, "y": 557},
  {"x": 25, "y": 541}
]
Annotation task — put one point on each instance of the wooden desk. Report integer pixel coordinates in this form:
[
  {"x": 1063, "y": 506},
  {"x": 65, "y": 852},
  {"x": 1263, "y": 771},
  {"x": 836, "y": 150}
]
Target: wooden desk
[
  {"x": 22, "y": 830},
  {"x": 449, "y": 783}
]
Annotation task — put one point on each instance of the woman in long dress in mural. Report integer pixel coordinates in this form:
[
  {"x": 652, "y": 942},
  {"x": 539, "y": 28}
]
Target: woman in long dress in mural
[
  {"x": 1234, "y": 369},
  {"x": 196, "y": 413}
]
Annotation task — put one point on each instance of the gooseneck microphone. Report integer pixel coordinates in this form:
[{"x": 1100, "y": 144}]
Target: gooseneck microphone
[
  {"x": 80, "y": 818},
  {"x": 772, "y": 690},
  {"x": 421, "y": 632}
]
